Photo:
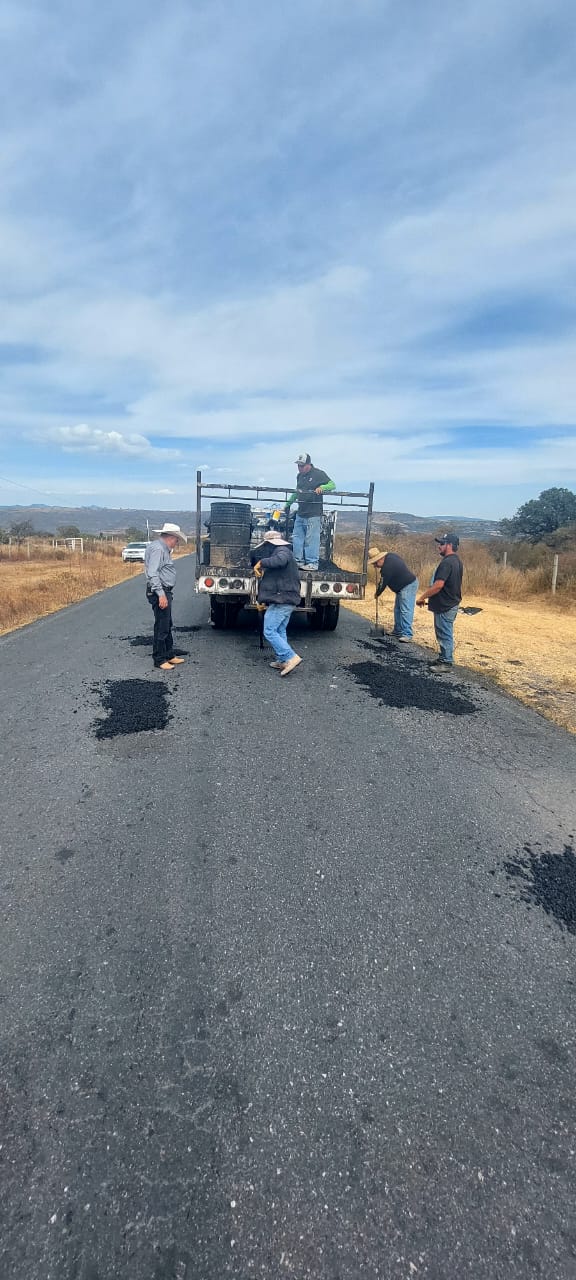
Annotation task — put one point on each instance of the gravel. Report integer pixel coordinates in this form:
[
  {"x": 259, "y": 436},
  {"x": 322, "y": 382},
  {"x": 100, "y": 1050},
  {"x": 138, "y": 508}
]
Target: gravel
[
  {"x": 547, "y": 880},
  {"x": 402, "y": 681},
  {"x": 133, "y": 706}
]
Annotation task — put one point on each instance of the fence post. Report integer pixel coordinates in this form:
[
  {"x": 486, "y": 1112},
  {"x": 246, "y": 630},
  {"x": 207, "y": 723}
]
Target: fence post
[
  {"x": 28, "y": 547},
  {"x": 505, "y": 559},
  {"x": 554, "y": 575}
]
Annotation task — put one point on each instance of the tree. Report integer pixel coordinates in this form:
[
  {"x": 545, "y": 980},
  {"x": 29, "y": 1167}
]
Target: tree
[
  {"x": 541, "y": 516},
  {"x": 22, "y": 529},
  {"x": 136, "y": 535},
  {"x": 68, "y": 531}
]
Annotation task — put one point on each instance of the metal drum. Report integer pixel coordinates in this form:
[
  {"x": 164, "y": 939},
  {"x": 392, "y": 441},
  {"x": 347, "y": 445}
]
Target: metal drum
[{"x": 230, "y": 526}]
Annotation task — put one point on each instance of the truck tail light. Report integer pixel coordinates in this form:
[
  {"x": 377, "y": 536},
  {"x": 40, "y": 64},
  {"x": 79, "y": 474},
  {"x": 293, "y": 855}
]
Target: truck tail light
[
  {"x": 208, "y": 582},
  {"x": 223, "y": 582},
  {"x": 352, "y": 589},
  {"x": 336, "y": 586}
]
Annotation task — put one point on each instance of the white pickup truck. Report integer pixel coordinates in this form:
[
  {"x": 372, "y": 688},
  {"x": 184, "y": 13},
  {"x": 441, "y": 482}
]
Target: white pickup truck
[{"x": 239, "y": 516}]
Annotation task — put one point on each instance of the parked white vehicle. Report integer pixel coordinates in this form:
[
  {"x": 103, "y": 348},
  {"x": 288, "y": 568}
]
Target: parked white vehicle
[{"x": 134, "y": 551}]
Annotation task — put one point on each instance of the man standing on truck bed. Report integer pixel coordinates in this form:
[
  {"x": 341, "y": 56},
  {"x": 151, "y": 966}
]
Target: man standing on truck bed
[
  {"x": 160, "y": 573},
  {"x": 443, "y": 599},
  {"x": 310, "y": 485}
]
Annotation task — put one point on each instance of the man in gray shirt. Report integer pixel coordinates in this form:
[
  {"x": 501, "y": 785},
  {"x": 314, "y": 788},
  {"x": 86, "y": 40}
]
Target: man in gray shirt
[{"x": 160, "y": 573}]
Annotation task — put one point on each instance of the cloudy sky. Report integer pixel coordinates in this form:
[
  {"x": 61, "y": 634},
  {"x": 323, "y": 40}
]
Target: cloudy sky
[{"x": 231, "y": 230}]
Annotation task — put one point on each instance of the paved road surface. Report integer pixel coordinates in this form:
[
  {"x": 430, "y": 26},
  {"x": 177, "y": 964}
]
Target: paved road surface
[{"x": 270, "y": 1004}]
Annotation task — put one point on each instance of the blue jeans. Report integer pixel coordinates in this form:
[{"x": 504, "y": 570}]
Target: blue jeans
[
  {"x": 276, "y": 620},
  {"x": 404, "y": 610},
  {"x": 444, "y": 629},
  {"x": 306, "y": 540}
]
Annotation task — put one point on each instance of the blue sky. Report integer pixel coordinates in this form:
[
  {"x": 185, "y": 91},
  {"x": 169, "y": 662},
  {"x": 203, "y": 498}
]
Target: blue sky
[{"x": 231, "y": 232}]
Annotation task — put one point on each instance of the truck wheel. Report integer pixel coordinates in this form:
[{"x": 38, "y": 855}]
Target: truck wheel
[
  {"x": 222, "y": 615},
  {"x": 325, "y": 616}
]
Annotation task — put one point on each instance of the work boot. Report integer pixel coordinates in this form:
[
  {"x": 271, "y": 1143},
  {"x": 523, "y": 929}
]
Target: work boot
[
  {"x": 403, "y": 639},
  {"x": 175, "y": 662},
  {"x": 289, "y": 666},
  {"x": 277, "y": 665},
  {"x": 440, "y": 665},
  {"x": 163, "y": 666}
]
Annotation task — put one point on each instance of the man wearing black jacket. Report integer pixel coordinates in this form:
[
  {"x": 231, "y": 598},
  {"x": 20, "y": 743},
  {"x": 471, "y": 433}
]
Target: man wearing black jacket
[{"x": 279, "y": 591}]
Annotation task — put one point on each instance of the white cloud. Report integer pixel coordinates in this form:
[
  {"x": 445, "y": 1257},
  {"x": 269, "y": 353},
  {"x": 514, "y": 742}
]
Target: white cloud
[{"x": 85, "y": 439}]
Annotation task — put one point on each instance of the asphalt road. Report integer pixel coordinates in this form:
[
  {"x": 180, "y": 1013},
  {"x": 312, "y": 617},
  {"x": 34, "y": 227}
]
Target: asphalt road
[{"x": 271, "y": 1005}]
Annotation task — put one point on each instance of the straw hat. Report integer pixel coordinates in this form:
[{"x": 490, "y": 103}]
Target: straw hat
[{"x": 374, "y": 554}]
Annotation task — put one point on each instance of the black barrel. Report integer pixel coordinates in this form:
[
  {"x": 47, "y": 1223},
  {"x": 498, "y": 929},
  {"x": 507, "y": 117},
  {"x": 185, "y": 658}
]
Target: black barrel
[{"x": 230, "y": 525}]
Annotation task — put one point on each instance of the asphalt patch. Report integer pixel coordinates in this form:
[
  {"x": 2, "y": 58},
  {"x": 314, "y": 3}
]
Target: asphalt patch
[
  {"x": 133, "y": 706},
  {"x": 546, "y": 880},
  {"x": 402, "y": 681}
]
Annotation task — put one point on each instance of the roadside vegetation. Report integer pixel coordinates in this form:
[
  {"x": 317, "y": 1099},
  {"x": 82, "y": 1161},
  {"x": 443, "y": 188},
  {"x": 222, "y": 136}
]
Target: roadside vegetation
[{"x": 39, "y": 575}]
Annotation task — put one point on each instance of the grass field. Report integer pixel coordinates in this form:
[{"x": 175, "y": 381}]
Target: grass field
[
  {"x": 523, "y": 640},
  {"x": 35, "y": 587}
]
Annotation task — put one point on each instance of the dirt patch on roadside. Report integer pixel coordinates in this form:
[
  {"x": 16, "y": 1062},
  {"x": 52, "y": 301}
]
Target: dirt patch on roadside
[{"x": 527, "y": 648}]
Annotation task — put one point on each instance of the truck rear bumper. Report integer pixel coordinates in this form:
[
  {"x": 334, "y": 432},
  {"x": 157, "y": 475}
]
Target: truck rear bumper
[{"x": 241, "y": 589}]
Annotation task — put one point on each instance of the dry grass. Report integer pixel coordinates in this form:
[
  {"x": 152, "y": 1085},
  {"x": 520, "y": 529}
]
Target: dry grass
[
  {"x": 34, "y": 587},
  {"x": 484, "y": 573},
  {"x": 524, "y": 642}
]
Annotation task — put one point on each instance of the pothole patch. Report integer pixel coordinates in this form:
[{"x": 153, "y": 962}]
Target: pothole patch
[
  {"x": 133, "y": 706},
  {"x": 546, "y": 880},
  {"x": 403, "y": 681}
]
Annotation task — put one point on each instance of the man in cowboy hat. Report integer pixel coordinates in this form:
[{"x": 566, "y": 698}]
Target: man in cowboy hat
[
  {"x": 394, "y": 573},
  {"x": 160, "y": 573},
  {"x": 310, "y": 485},
  {"x": 279, "y": 591}
]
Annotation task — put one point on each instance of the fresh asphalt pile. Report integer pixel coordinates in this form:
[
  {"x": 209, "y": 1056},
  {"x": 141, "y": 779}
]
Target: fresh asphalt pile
[
  {"x": 133, "y": 706},
  {"x": 546, "y": 880},
  {"x": 399, "y": 679}
]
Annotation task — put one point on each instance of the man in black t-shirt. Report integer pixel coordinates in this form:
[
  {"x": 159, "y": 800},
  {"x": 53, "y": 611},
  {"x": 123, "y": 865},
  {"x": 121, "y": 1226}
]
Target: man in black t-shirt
[
  {"x": 443, "y": 598},
  {"x": 395, "y": 574},
  {"x": 310, "y": 485}
]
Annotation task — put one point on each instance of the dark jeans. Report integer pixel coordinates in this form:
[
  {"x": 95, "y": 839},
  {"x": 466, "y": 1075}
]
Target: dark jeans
[{"x": 163, "y": 647}]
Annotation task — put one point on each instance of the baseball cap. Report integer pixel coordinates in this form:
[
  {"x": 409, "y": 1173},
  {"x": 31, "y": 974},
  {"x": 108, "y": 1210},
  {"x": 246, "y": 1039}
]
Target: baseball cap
[
  {"x": 452, "y": 538},
  {"x": 302, "y": 459}
]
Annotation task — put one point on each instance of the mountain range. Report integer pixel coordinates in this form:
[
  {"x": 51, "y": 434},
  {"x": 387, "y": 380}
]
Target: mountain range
[{"x": 110, "y": 520}]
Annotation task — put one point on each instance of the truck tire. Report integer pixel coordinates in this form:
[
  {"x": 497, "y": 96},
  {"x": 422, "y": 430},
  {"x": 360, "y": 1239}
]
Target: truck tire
[
  {"x": 223, "y": 614},
  {"x": 325, "y": 616}
]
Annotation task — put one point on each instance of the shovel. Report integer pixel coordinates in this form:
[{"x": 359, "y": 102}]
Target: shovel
[{"x": 377, "y": 630}]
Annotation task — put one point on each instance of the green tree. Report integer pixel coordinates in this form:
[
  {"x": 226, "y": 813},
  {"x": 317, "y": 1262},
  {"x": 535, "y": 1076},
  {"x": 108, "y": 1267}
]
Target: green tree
[
  {"x": 541, "y": 516},
  {"x": 21, "y": 529},
  {"x": 136, "y": 535},
  {"x": 68, "y": 531}
]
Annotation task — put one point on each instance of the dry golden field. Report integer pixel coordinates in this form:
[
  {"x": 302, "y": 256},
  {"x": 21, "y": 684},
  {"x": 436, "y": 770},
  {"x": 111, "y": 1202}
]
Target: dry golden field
[
  {"x": 31, "y": 588},
  {"x": 524, "y": 640}
]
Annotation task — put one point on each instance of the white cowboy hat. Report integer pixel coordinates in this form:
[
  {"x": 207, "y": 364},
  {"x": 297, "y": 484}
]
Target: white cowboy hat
[
  {"x": 173, "y": 529},
  {"x": 375, "y": 555}
]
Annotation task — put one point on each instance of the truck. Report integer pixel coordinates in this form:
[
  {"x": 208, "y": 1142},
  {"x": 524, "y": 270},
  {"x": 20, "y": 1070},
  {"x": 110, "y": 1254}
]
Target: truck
[{"x": 239, "y": 516}]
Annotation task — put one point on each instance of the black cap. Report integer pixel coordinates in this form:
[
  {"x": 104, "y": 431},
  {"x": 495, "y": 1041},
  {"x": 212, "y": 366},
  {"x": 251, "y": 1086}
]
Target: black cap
[{"x": 452, "y": 538}]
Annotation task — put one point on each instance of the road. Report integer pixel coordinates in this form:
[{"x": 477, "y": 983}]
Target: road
[{"x": 272, "y": 1003}]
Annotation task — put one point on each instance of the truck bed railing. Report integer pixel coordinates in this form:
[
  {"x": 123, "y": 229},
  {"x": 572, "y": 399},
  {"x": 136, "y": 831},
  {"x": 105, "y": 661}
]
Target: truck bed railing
[{"x": 205, "y": 489}]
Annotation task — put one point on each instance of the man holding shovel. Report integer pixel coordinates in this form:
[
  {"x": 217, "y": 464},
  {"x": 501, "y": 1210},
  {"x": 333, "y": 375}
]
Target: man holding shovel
[
  {"x": 395, "y": 574},
  {"x": 279, "y": 592}
]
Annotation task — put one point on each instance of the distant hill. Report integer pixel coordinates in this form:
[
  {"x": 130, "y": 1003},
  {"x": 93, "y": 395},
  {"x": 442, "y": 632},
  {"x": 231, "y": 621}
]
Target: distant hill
[{"x": 109, "y": 520}]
